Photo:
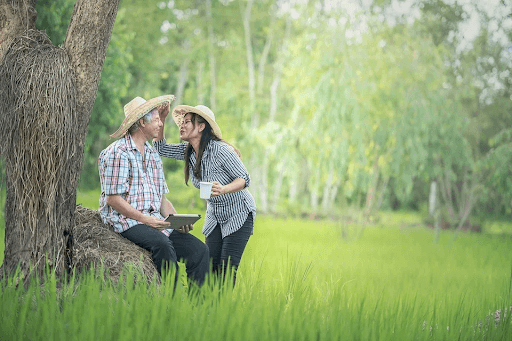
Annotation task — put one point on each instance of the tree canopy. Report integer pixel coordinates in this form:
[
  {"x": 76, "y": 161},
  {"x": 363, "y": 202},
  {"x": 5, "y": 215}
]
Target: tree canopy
[{"x": 332, "y": 104}]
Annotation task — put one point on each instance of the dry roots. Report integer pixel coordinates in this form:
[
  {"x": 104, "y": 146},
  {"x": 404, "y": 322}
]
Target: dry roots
[{"x": 95, "y": 243}]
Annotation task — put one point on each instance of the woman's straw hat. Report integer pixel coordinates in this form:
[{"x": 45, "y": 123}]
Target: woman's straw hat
[
  {"x": 137, "y": 108},
  {"x": 181, "y": 110}
]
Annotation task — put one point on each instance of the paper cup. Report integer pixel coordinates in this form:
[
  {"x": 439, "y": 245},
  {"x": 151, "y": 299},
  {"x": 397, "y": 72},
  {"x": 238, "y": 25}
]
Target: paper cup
[{"x": 205, "y": 190}]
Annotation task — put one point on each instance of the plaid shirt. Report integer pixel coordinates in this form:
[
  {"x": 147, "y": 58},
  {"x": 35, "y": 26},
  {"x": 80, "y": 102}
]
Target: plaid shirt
[{"x": 139, "y": 181}]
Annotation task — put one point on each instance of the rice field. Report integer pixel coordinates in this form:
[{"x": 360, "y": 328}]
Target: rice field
[{"x": 298, "y": 280}]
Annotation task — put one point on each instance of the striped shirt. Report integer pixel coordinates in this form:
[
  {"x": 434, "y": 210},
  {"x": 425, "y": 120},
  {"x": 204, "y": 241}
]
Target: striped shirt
[
  {"x": 139, "y": 181},
  {"x": 219, "y": 163}
]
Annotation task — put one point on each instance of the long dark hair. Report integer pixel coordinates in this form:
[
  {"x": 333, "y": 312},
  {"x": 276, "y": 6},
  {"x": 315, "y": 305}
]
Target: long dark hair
[{"x": 206, "y": 136}]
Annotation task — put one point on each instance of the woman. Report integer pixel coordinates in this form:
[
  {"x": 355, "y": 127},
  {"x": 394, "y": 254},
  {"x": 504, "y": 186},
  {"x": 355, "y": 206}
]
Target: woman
[{"x": 231, "y": 210}]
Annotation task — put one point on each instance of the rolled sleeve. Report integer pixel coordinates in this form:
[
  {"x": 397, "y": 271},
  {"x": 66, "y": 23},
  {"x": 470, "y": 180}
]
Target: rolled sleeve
[{"x": 233, "y": 165}]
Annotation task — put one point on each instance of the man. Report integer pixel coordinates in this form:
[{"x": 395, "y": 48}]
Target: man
[{"x": 133, "y": 192}]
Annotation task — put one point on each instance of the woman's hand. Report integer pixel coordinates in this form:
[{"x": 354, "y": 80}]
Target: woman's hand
[
  {"x": 217, "y": 189},
  {"x": 237, "y": 185},
  {"x": 185, "y": 228}
]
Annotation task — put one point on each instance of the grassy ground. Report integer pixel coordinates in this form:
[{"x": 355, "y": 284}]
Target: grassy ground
[{"x": 299, "y": 280}]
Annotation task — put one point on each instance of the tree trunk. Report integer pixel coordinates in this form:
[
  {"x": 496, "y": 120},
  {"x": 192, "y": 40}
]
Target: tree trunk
[
  {"x": 372, "y": 190},
  {"x": 313, "y": 190},
  {"x": 182, "y": 81},
  {"x": 278, "y": 72},
  {"x": 199, "y": 82},
  {"x": 246, "y": 19},
  {"x": 278, "y": 184},
  {"x": 446, "y": 190},
  {"x": 266, "y": 48},
  {"x": 42, "y": 138},
  {"x": 211, "y": 56}
]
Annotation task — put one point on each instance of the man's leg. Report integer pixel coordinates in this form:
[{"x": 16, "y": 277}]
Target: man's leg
[
  {"x": 161, "y": 248},
  {"x": 193, "y": 252}
]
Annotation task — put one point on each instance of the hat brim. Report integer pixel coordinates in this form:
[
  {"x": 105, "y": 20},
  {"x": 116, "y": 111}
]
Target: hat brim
[
  {"x": 178, "y": 117},
  {"x": 140, "y": 111}
]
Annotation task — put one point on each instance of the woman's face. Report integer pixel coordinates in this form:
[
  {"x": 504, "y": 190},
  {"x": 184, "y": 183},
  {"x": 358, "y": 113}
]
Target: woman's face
[{"x": 189, "y": 131}]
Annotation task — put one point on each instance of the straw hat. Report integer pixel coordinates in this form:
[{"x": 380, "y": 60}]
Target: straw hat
[
  {"x": 181, "y": 110},
  {"x": 137, "y": 108}
]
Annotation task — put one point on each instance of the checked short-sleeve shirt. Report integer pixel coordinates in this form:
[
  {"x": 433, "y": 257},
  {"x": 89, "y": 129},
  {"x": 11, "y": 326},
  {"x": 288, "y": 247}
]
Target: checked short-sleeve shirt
[{"x": 137, "y": 179}]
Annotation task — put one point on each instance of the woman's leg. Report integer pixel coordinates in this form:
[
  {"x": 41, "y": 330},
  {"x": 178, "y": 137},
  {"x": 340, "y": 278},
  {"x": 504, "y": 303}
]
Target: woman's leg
[
  {"x": 161, "y": 248},
  {"x": 214, "y": 242},
  {"x": 233, "y": 247}
]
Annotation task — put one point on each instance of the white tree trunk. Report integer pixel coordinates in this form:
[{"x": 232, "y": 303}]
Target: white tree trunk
[
  {"x": 278, "y": 184},
  {"x": 199, "y": 82},
  {"x": 278, "y": 72},
  {"x": 211, "y": 56},
  {"x": 432, "y": 198},
  {"x": 328, "y": 187},
  {"x": 182, "y": 81},
  {"x": 266, "y": 48},
  {"x": 246, "y": 19}
]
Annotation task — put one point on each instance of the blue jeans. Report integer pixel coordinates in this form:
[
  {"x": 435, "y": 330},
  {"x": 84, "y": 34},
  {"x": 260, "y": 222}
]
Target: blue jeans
[
  {"x": 166, "y": 250},
  {"x": 228, "y": 248}
]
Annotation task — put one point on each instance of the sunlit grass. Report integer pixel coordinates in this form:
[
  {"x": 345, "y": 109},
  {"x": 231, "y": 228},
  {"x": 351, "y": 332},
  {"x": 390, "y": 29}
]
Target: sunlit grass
[{"x": 299, "y": 280}]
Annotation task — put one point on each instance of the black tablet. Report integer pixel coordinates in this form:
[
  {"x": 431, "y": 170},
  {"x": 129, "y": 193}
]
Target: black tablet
[{"x": 179, "y": 220}]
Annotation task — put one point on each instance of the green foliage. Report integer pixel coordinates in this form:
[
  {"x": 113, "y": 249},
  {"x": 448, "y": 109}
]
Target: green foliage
[
  {"x": 53, "y": 17},
  {"x": 366, "y": 107},
  {"x": 498, "y": 168},
  {"x": 107, "y": 114}
]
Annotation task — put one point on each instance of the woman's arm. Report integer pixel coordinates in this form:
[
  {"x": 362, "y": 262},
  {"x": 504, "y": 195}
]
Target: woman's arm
[
  {"x": 237, "y": 185},
  {"x": 234, "y": 168},
  {"x": 172, "y": 151}
]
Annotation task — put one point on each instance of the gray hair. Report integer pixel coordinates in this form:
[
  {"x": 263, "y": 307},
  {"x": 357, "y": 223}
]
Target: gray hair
[{"x": 147, "y": 119}]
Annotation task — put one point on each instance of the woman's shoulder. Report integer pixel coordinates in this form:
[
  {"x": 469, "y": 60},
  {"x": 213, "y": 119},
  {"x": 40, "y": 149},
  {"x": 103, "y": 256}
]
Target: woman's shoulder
[{"x": 220, "y": 146}]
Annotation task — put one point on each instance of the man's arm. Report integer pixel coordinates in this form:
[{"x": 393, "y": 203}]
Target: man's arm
[
  {"x": 166, "y": 207},
  {"x": 124, "y": 208}
]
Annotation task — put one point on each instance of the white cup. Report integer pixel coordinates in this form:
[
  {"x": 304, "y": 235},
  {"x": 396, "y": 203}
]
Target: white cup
[{"x": 205, "y": 190}]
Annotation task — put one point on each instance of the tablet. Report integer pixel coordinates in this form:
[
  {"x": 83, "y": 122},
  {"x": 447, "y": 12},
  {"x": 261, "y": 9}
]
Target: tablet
[{"x": 178, "y": 220}]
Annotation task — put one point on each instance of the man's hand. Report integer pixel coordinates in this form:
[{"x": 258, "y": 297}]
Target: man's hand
[
  {"x": 185, "y": 229},
  {"x": 156, "y": 223},
  {"x": 163, "y": 111}
]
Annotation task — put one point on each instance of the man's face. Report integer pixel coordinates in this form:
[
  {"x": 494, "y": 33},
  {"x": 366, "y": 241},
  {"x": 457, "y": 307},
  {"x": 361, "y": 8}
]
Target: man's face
[{"x": 151, "y": 129}]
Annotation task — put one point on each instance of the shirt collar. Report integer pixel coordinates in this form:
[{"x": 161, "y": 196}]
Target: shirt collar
[{"x": 130, "y": 142}]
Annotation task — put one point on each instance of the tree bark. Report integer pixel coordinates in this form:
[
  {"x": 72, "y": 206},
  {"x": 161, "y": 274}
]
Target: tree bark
[
  {"x": 199, "y": 82},
  {"x": 211, "y": 56},
  {"x": 39, "y": 227},
  {"x": 182, "y": 81},
  {"x": 246, "y": 19},
  {"x": 266, "y": 48}
]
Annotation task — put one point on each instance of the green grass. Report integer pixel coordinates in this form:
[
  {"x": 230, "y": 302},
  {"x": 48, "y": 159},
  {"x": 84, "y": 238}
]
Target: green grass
[{"x": 299, "y": 280}]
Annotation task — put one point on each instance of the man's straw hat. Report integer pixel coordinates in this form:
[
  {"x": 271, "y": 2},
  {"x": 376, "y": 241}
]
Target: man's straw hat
[
  {"x": 181, "y": 110},
  {"x": 137, "y": 108}
]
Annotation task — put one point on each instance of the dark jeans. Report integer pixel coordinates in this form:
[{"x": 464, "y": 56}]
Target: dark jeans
[
  {"x": 228, "y": 248},
  {"x": 166, "y": 250}
]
